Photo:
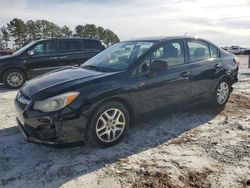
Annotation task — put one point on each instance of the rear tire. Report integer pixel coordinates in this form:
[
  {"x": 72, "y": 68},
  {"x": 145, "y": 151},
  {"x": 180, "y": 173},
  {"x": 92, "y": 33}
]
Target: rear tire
[
  {"x": 14, "y": 78},
  {"x": 108, "y": 124},
  {"x": 221, "y": 93}
]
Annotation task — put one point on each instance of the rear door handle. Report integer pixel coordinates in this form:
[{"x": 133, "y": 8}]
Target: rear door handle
[
  {"x": 218, "y": 65},
  {"x": 185, "y": 74},
  {"x": 53, "y": 58},
  {"x": 63, "y": 57}
]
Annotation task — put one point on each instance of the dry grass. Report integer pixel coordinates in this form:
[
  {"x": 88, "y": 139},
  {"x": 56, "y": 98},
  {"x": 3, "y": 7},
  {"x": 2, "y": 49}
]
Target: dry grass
[
  {"x": 236, "y": 104},
  {"x": 162, "y": 179}
]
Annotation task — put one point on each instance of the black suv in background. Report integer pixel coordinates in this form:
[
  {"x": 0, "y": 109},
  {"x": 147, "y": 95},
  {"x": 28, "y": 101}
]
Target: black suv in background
[{"x": 39, "y": 57}]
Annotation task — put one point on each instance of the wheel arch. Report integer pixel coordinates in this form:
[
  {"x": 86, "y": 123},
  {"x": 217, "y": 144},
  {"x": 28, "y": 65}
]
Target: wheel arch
[
  {"x": 119, "y": 99},
  {"x": 228, "y": 78},
  {"x": 17, "y": 68},
  {"x": 213, "y": 94},
  {"x": 223, "y": 77}
]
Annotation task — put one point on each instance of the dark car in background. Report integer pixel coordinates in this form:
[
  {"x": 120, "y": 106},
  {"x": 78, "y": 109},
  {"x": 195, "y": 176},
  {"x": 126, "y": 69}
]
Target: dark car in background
[
  {"x": 39, "y": 57},
  {"x": 236, "y": 50},
  {"x": 99, "y": 100},
  {"x": 6, "y": 52},
  {"x": 246, "y": 51}
]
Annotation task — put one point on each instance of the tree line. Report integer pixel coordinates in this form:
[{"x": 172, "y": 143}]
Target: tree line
[{"x": 22, "y": 33}]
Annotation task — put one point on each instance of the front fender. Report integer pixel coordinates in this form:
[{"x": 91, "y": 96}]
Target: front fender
[{"x": 91, "y": 107}]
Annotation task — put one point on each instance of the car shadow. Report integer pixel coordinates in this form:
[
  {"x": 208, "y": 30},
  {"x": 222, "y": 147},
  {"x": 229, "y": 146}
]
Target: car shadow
[
  {"x": 47, "y": 166},
  {"x": 4, "y": 89},
  {"x": 245, "y": 74}
]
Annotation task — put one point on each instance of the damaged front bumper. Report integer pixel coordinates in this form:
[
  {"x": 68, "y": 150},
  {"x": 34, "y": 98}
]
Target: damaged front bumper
[
  {"x": 29, "y": 138},
  {"x": 56, "y": 133},
  {"x": 58, "y": 128}
]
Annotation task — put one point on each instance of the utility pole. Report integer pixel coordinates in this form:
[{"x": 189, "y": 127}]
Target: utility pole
[{"x": 249, "y": 61}]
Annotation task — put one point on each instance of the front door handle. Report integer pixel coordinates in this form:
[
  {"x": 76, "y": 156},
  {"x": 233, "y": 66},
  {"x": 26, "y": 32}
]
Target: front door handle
[
  {"x": 53, "y": 58},
  {"x": 141, "y": 84},
  {"x": 63, "y": 57},
  {"x": 185, "y": 74}
]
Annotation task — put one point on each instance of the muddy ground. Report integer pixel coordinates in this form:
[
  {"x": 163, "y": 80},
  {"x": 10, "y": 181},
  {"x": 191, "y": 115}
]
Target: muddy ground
[{"x": 198, "y": 147}]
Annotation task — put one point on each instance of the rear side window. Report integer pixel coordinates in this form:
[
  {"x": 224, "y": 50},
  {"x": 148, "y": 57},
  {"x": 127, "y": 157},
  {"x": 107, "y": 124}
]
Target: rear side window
[
  {"x": 92, "y": 44},
  {"x": 214, "y": 52},
  {"x": 69, "y": 45},
  {"x": 198, "y": 51}
]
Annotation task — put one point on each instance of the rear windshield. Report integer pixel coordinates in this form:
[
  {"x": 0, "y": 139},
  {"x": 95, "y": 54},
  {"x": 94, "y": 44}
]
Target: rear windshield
[{"x": 93, "y": 44}]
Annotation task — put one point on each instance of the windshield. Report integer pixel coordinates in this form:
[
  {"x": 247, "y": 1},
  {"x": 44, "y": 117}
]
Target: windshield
[
  {"x": 21, "y": 50},
  {"x": 118, "y": 57}
]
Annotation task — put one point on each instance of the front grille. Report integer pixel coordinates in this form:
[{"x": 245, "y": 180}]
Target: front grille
[{"x": 23, "y": 100}]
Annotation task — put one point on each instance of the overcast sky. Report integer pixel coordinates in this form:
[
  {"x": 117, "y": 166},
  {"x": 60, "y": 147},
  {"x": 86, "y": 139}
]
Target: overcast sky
[{"x": 225, "y": 22}]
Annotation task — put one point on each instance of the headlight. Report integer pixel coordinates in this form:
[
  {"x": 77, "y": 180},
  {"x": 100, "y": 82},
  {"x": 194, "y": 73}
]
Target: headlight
[{"x": 55, "y": 103}]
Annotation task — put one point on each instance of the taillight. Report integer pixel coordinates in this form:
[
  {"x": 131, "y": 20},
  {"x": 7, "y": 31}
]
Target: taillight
[{"x": 237, "y": 61}]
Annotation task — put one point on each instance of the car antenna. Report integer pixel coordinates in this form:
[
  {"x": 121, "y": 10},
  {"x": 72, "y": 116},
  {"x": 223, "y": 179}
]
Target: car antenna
[{"x": 185, "y": 34}]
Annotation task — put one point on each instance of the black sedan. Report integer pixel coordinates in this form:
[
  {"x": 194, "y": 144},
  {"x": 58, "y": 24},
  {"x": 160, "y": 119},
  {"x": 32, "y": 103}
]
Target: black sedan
[{"x": 99, "y": 100}]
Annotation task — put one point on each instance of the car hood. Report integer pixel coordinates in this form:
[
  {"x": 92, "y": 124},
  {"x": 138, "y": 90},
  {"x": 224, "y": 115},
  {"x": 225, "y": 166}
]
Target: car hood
[
  {"x": 6, "y": 58},
  {"x": 59, "y": 80}
]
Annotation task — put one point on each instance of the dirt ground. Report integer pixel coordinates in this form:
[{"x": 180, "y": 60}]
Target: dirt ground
[{"x": 199, "y": 147}]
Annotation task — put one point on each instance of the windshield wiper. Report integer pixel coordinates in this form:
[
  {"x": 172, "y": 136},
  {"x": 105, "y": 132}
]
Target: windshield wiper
[
  {"x": 91, "y": 67},
  {"x": 100, "y": 69}
]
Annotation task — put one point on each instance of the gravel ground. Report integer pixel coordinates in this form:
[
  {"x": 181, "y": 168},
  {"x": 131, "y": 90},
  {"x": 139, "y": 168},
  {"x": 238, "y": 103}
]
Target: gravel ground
[{"x": 198, "y": 147}]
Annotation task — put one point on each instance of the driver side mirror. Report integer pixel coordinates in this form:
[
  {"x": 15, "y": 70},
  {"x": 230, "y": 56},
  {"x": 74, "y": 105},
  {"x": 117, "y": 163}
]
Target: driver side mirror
[
  {"x": 159, "y": 65},
  {"x": 30, "y": 53}
]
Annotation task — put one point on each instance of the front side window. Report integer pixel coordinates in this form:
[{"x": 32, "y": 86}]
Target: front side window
[
  {"x": 119, "y": 56},
  {"x": 44, "y": 48},
  {"x": 172, "y": 52},
  {"x": 24, "y": 49},
  {"x": 198, "y": 50},
  {"x": 69, "y": 45}
]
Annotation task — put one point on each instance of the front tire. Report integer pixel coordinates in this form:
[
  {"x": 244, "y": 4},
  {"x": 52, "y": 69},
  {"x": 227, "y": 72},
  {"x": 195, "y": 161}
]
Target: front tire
[
  {"x": 109, "y": 124},
  {"x": 221, "y": 93},
  {"x": 14, "y": 78}
]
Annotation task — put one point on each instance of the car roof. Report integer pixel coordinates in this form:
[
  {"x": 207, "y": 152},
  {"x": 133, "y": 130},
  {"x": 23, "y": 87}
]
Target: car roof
[
  {"x": 166, "y": 38},
  {"x": 163, "y": 38},
  {"x": 73, "y": 38}
]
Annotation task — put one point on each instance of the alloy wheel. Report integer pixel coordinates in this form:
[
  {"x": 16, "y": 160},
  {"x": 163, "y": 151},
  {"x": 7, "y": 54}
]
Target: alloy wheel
[
  {"x": 110, "y": 125},
  {"x": 222, "y": 93},
  {"x": 15, "y": 79}
]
